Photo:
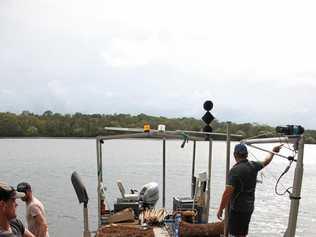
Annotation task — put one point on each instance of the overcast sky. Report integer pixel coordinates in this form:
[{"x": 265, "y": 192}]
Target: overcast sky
[{"x": 256, "y": 60}]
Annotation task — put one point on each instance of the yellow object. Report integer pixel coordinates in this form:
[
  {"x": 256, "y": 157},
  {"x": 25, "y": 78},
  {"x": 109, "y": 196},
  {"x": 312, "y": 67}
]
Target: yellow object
[{"x": 146, "y": 128}]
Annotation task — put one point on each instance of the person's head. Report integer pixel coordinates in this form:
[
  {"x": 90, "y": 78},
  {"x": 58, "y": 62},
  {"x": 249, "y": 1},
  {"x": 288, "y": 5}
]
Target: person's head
[
  {"x": 26, "y": 189},
  {"x": 8, "y": 196},
  {"x": 240, "y": 152}
]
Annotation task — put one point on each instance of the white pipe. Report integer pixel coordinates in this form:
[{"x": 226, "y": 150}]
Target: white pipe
[
  {"x": 296, "y": 193},
  {"x": 227, "y": 171},
  {"x": 193, "y": 181},
  {"x": 209, "y": 133},
  {"x": 170, "y": 132},
  {"x": 158, "y": 135},
  {"x": 99, "y": 171},
  {"x": 289, "y": 139},
  {"x": 124, "y": 129},
  {"x": 272, "y": 152},
  {"x": 208, "y": 196},
  {"x": 163, "y": 173}
]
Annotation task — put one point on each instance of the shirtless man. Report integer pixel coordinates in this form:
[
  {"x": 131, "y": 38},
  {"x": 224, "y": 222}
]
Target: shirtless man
[{"x": 35, "y": 213}]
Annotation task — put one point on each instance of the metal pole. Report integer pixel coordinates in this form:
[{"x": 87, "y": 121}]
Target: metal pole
[
  {"x": 266, "y": 150},
  {"x": 164, "y": 173},
  {"x": 296, "y": 193},
  {"x": 99, "y": 173},
  {"x": 288, "y": 139},
  {"x": 86, "y": 231},
  {"x": 208, "y": 196},
  {"x": 227, "y": 150},
  {"x": 193, "y": 170},
  {"x": 227, "y": 171}
]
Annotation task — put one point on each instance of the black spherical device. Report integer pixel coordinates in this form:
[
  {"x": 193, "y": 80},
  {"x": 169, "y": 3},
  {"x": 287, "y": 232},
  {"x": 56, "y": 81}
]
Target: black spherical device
[
  {"x": 208, "y": 105},
  {"x": 207, "y": 118}
]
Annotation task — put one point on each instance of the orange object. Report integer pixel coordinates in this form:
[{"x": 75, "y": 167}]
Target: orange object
[{"x": 146, "y": 128}]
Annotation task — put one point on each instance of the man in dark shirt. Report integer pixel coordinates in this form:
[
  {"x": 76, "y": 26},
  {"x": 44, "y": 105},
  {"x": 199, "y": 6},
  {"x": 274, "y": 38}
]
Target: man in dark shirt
[
  {"x": 9, "y": 225},
  {"x": 240, "y": 190}
]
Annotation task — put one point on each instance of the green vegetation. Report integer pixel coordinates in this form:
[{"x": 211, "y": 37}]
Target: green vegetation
[{"x": 51, "y": 124}]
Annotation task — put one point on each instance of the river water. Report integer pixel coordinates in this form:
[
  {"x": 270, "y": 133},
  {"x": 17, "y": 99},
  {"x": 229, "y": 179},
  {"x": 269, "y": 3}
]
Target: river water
[{"x": 48, "y": 163}]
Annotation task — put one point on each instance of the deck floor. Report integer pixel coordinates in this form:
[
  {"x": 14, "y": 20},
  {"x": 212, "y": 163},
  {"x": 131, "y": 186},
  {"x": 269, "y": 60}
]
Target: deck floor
[{"x": 161, "y": 232}]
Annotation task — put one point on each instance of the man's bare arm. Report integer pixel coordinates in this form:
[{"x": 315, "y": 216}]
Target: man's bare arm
[
  {"x": 271, "y": 155},
  {"x": 42, "y": 225},
  {"x": 27, "y": 233},
  {"x": 225, "y": 200}
]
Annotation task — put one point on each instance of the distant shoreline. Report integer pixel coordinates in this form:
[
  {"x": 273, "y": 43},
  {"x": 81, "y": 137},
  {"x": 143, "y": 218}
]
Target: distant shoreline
[{"x": 86, "y": 126}]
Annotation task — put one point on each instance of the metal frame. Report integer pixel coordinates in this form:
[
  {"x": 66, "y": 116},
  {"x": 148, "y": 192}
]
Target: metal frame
[{"x": 164, "y": 135}]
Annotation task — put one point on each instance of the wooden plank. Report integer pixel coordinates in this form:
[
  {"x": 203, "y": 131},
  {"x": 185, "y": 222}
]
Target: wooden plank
[{"x": 161, "y": 232}]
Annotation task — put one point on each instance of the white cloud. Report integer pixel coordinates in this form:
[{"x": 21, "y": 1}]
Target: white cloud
[
  {"x": 255, "y": 60},
  {"x": 130, "y": 53}
]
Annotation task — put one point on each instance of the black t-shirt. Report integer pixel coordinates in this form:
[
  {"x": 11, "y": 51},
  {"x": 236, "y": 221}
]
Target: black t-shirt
[
  {"x": 243, "y": 177},
  {"x": 17, "y": 228}
]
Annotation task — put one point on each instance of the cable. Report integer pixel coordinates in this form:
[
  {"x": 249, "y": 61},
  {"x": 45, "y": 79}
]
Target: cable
[
  {"x": 291, "y": 159},
  {"x": 276, "y": 185},
  {"x": 267, "y": 171}
]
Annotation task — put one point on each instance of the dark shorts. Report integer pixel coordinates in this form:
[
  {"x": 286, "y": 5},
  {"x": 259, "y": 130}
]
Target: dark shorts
[{"x": 238, "y": 222}]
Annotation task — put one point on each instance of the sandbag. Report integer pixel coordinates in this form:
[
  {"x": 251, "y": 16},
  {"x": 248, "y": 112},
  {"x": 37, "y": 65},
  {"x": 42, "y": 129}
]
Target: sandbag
[
  {"x": 116, "y": 230},
  {"x": 201, "y": 230}
]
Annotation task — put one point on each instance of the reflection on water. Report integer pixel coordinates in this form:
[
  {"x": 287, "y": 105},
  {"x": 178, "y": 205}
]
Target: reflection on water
[{"x": 48, "y": 163}]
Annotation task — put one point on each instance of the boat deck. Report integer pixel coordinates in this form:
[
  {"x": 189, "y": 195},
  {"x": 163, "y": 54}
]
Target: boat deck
[
  {"x": 131, "y": 231},
  {"x": 161, "y": 232}
]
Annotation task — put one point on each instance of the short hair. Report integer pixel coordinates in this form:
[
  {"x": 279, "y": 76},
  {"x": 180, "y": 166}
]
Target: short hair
[{"x": 241, "y": 151}]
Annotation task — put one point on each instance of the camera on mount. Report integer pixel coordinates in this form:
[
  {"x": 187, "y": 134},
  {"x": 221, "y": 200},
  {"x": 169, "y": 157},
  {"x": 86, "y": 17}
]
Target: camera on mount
[{"x": 290, "y": 130}]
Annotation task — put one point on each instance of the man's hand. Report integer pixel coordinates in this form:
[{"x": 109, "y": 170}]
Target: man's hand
[
  {"x": 277, "y": 148},
  {"x": 220, "y": 214},
  {"x": 27, "y": 233}
]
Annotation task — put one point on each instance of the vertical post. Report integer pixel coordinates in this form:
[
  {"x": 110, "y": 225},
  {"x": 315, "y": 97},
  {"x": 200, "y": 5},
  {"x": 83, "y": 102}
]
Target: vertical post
[
  {"x": 193, "y": 170},
  {"x": 296, "y": 193},
  {"x": 164, "y": 173},
  {"x": 99, "y": 173},
  {"x": 86, "y": 231},
  {"x": 228, "y": 138},
  {"x": 208, "y": 196}
]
